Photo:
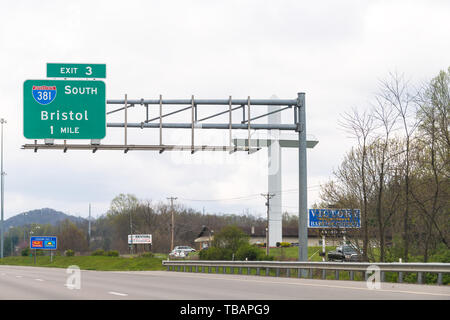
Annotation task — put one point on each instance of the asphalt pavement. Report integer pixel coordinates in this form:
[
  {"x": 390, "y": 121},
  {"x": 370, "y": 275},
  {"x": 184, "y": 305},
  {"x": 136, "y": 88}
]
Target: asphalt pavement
[{"x": 36, "y": 283}]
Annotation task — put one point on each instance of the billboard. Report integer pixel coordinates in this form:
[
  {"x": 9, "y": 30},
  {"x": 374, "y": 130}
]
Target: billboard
[
  {"x": 46, "y": 243},
  {"x": 140, "y": 239},
  {"x": 334, "y": 218}
]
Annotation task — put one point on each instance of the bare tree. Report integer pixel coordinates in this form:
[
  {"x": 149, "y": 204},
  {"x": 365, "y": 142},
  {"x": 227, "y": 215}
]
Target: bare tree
[
  {"x": 360, "y": 125},
  {"x": 434, "y": 104},
  {"x": 396, "y": 92},
  {"x": 387, "y": 117}
]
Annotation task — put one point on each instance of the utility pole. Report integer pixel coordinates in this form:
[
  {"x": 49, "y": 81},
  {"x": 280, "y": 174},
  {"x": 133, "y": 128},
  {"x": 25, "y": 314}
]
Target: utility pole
[
  {"x": 89, "y": 226},
  {"x": 268, "y": 196},
  {"x": 131, "y": 234},
  {"x": 172, "y": 224},
  {"x": 2, "y": 173}
]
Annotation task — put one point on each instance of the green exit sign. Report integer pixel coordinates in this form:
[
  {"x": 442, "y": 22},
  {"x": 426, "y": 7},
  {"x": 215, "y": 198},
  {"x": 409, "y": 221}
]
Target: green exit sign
[
  {"x": 76, "y": 70},
  {"x": 64, "y": 109}
]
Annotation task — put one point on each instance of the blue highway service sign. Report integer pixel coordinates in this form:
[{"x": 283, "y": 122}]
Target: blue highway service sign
[{"x": 46, "y": 243}]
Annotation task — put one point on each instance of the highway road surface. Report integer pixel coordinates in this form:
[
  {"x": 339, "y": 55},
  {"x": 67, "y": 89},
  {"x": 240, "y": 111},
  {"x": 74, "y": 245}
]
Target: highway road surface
[{"x": 17, "y": 282}]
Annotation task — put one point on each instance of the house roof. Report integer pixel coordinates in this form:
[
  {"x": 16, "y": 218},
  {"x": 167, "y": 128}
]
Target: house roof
[{"x": 259, "y": 231}]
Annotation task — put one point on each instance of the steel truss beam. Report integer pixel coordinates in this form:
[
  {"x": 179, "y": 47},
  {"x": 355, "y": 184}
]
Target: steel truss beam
[
  {"x": 253, "y": 102},
  {"x": 298, "y": 125},
  {"x": 130, "y": 147}
]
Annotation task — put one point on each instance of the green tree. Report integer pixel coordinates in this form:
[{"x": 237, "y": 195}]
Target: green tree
[
  {"x": 71, "y": 237},
  {"x": 230, "y": 237},
  {"x": 123, "y": 203}
]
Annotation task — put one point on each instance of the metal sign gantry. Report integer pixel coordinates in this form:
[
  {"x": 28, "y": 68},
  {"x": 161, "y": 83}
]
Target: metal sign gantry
[{"x": 245, "y": 122}]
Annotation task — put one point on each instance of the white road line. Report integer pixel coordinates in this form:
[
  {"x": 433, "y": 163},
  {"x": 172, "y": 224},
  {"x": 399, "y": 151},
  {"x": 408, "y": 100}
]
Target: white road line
[
  {"x": 323, "y": 285},
  {"x": 38, "y": 279},
  {"x": 118, "y": 294},
  {"x": 19, "y": 276}
]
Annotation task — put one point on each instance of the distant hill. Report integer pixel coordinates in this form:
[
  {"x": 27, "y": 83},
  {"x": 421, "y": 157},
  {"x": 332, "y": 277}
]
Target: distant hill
[{"x": 40, "y": 216}]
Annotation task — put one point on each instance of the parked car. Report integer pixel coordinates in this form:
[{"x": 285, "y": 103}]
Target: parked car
[
  {"x": 178, "y": 253},
  {"x": 181, "y": 251},
  {"x": 184, "y": 248},
  {"x": 345, "y": 253}
]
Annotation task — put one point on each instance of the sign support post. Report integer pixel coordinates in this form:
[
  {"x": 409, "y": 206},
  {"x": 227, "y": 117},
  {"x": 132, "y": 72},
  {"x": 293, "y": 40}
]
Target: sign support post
[
  {"x": 323, "y": 247},
  {"x": 43, "y": 243},
  {"x": 302, "y": 181}
]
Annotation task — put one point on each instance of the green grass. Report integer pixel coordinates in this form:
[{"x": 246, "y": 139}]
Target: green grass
[
  {"x": 90, "y": 262},
  {"x": 291, "y": 253}
]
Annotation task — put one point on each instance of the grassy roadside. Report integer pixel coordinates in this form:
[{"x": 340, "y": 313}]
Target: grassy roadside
[
  {"x": 286, "y": 254},
  {"x": 100, "y": 263}
]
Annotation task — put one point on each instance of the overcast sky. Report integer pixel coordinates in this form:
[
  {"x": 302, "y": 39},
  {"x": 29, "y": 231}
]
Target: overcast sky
[{"x": 334, "y": 51}]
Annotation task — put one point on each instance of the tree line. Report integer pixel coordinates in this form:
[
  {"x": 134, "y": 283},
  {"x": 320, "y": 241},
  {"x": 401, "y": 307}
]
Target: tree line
[
  {"x": 397, "y": 172},
  {"x": 129, "y": 215}
]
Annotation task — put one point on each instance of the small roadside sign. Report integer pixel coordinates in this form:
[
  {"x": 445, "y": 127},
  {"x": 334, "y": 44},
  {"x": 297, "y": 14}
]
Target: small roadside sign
[
  {"x": 140, "y": 239},
  {"x": 45, "y": 243},
  {"x": 76, "y": 70}
]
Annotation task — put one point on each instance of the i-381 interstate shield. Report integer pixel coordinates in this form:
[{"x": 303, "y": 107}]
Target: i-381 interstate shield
[{"x": 64, "y": 109}]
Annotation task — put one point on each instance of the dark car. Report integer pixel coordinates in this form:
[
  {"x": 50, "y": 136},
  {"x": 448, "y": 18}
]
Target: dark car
[{"x": 348, "y": 253}]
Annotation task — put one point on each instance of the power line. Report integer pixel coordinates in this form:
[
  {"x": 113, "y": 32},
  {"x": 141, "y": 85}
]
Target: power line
[{"x": 255, "y": 195}]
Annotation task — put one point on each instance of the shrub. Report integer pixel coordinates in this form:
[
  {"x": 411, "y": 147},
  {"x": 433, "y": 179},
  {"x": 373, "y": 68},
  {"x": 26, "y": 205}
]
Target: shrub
[
  {"x": 265, "y": 257},
  {"x": 248, "y": 252},
  {"x": 98, "y": 252},
  {"x": 69, "y": 253},
  {"x": 230, "y": 237},
  {"x": 147, "y": 255},
  {"x": 25, "y": 252},
  {"x": 112, "y": 253},
  {"x": 215, "y": 253}
]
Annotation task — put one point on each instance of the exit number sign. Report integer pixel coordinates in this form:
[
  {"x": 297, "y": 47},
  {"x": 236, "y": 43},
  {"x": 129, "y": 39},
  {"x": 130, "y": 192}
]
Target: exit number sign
[
  {"x": 64, "y": 109},
  {"x": 76, "y": 70}
]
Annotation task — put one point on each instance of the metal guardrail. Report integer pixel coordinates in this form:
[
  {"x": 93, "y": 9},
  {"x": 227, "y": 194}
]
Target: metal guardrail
[{"x": 306, "y": 269}]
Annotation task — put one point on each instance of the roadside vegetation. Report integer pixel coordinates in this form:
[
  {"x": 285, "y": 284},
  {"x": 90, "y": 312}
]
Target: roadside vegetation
[{"x": 97, "y": 262}]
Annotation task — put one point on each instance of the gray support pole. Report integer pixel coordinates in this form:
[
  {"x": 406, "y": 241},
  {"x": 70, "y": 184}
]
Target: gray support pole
[
  {"x": 192, "y": 134},
  {"x": 248, "y": 125},
  {"x": 420, "y": 277},
  {"x": 160, "y": 120},
  {"x": 2, "y": 121},
  {"x": 439, "y": 279},
  {"x": 302, "y": 183},
  {"x": 126, "y": 119},
  {"x": 230, "y": 124},
  {"x": 89, "y": 226}
]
